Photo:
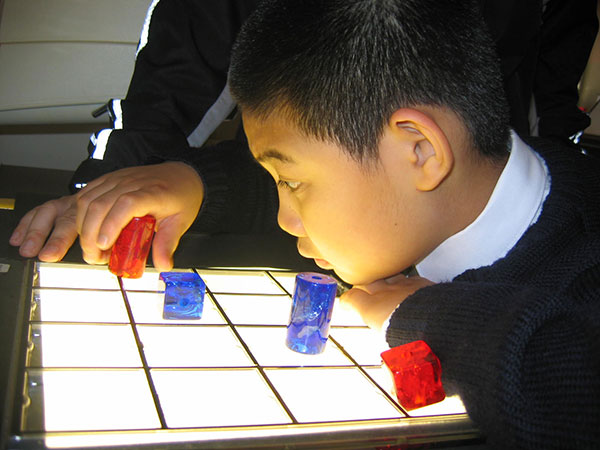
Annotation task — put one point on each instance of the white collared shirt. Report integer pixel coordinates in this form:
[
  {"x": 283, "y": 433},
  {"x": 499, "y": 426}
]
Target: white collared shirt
[{"x": 515, "y": 204}]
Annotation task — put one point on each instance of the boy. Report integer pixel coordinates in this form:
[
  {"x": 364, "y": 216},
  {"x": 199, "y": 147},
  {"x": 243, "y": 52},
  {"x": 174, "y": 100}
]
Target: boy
[{"x": 384, "y": 125}]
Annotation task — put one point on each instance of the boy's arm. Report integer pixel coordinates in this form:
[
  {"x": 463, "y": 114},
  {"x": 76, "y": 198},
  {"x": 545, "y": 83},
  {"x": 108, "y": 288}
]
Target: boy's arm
[
  {"x": 172, "y": 192},
  {"x": 235, "y": 192},
  {"x": 524, "y": 361},
  {"x": 377, "y": 301},
  {"x": 240, "y": 196}
]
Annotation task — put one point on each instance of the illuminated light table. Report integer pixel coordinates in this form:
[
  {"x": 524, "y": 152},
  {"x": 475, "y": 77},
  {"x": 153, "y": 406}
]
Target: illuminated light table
[{"x": 99, "y": 366}]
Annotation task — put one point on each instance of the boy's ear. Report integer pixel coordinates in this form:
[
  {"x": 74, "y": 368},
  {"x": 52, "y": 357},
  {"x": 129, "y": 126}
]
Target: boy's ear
[{"x": 425, "y": 145}]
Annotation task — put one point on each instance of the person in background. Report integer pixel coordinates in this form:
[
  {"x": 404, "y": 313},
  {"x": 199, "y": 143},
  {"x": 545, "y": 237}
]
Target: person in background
[{"x": 544, "y": 46}]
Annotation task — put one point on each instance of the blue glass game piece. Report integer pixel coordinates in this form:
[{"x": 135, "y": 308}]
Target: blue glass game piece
[
  {"x": 184, "y": 295},
  {"x": 312, "y": 307}
]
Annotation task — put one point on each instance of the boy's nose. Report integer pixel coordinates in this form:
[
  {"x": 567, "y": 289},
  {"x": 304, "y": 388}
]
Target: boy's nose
[{"x": 289, "y": 221}]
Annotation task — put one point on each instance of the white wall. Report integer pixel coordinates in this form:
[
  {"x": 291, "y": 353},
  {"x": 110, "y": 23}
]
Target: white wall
[{"x": 60, "y": 60}]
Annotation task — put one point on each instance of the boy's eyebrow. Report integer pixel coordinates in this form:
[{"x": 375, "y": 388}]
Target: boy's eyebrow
[{"x": 274, "y": 154}]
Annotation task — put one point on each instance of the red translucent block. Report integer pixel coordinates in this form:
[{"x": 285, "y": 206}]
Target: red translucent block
[
  {"x": 130, "y": 252},
  {"x": 417, "y": 374}
]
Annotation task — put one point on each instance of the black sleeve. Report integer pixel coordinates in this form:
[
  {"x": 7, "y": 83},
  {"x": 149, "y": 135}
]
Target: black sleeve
[
  {"x": 543, "y": 46},
  {"x": 514, "y": 25},
  {"x": 568, "y": 33},
  {"x": 180, "y": 70},
  {"x": 240, "y": 195},
  {"x": 526, "y": 362}
]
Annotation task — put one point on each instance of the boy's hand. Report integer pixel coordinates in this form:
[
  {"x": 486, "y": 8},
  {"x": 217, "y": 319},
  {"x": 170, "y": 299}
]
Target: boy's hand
[
  {"x": 377, "y": 301},
  {"x": 171, "y": 192},
  {"x": 55, "y": 218}
]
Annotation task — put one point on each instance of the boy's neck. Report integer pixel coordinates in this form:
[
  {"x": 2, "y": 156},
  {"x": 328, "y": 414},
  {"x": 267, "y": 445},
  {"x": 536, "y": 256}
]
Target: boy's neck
[{"x": 468, "y": 188}]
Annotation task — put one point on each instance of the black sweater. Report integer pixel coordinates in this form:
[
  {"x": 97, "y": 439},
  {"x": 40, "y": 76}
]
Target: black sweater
[{"x": 520, "y": 340}]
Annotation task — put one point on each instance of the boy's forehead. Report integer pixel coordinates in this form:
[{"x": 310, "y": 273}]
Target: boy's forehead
[
  {"x": 270, "y": 138},
  {"x": 277, "y": 140},
  {"x": 259, "y": 126},
  {"x": 274, "y": 154}
]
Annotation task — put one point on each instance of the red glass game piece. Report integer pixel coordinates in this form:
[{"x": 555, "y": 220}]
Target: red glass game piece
[
  {"x": 417, "y": 374},
  {"x": 130, "y": 252}
]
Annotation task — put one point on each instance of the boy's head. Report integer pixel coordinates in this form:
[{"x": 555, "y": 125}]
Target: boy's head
[
  {"x": 371, "y": 115},
  {"x": 340, "y": 68}
]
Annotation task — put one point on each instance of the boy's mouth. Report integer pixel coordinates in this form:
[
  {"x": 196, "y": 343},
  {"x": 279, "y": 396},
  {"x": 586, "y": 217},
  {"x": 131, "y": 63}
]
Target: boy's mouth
[{"x": 323, "y": 264}]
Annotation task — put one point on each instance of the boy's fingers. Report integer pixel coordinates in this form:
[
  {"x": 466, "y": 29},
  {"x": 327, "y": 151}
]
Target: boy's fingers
[
  {"x": 374, "y": 287},
  {"x": 361, "y": 301},
  {"x": 399, "y": 278},
  {"x": 384, "y": 285},
  {"x": 56, "y": 248},
  {"x": 18, "y": 235},
  {"x": 31, "y": 233},
  {"x": 123, "y": 210},
  {"x": 354, "y": 298},
  {"x": 96, "y": 256},
  {"x": 89, "y": 220},
  {"x": 61, "y": 239},
  {"x": 96, "y": 200},
  {"x": 105, "y": 218},
  {"x": 165, "y": 243}
]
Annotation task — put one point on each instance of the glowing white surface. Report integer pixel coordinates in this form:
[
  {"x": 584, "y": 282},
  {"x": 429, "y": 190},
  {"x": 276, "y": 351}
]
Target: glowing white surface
[
  {"x": 315, "y": 395},
  {"x": 191, "y": 347},
  {"x": 240, "y": 282},
  {"x": 96, "y": 400},
  {"x": 268, "y": 347},
  {"x": 74, "y": 276},
  {"x": 343, "y": 316},
  {"x": 233, "y": 395},
  {"x": 149, "y": 281},
  {"x": 287, "y": 280},
  {"x": 61, "y": 305},
  {"x": 147, "y": 307},
  {"x": 450, "y": 405},
  {"x": 75, "y": 345},
  {"x": 363, "y": 344},
  {"x": 194, "y": 398},
  {"x": 256, "y": 309}
]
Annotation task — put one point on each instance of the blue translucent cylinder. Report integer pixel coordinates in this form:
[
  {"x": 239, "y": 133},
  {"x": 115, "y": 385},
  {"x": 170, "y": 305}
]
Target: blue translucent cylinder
[
  {"x": 184, "y": 295},
  {"x": 310, "y": 317}
]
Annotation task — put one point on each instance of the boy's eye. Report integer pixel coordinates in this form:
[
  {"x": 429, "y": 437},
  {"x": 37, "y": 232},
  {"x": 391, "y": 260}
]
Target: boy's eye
[{"x": 291, "y": 185}]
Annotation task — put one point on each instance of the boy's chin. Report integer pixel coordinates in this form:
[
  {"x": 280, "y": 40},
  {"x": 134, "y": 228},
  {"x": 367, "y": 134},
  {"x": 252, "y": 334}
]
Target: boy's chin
[
  {"x": 355, "y": 279},
  {"x": 352, "y": 278}
]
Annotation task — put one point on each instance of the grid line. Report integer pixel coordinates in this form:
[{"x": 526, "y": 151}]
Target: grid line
[
  {"x": 140, "y": 346},
  {"x": 276, "y": 378},
  {"x": 252, "y": 357}
]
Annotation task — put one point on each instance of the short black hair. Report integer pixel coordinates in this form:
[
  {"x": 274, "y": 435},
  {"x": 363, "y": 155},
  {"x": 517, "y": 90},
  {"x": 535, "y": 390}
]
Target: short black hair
[{"x": 340, "y": 68}]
